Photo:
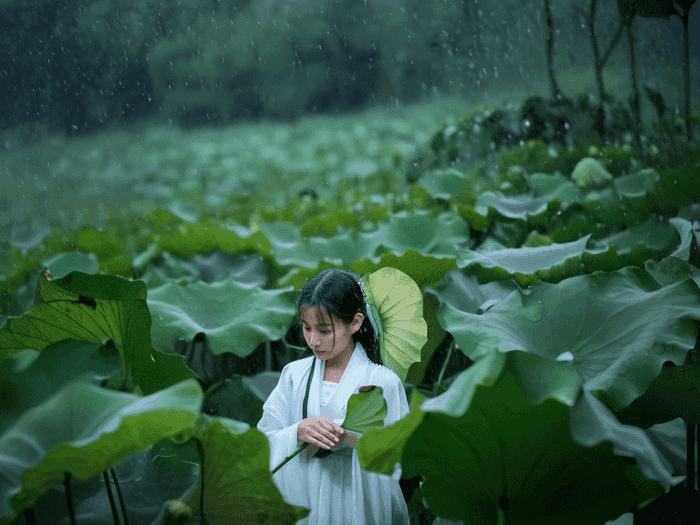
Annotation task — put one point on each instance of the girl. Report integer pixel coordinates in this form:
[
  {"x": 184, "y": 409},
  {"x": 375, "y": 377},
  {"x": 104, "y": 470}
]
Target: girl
[{"x": 309, "y": 405}]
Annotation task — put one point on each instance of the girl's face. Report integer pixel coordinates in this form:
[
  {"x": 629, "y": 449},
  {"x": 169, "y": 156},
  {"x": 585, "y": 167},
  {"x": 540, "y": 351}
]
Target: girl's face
[{"x": 318, "y": 333}]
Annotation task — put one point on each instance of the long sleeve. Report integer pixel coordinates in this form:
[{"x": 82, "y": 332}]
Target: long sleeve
[{"x": 279, "y": 423}]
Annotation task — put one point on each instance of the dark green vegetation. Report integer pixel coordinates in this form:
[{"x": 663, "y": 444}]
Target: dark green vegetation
[{"x": 562, "y": 295}]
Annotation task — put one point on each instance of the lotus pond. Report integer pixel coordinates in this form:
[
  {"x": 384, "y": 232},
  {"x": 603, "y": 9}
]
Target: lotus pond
[{"x": 561, "y": 290}]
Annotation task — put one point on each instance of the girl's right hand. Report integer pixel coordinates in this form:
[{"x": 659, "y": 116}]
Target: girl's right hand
[{"x": 320, "y": 431}]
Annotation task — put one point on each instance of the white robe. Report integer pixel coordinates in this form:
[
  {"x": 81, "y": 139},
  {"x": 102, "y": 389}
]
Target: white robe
[{"x": 335, "y": 488}]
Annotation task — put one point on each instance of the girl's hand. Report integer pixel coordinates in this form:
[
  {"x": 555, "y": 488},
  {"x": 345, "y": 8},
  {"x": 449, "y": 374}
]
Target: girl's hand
[{"x": 320, "y": 431}]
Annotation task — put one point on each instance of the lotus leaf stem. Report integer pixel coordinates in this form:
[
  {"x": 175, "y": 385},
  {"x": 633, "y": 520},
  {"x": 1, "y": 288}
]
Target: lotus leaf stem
[
  {"x": 212, "y": 389},
  {"x": 69, "y": 498},
  {"x": 444, "y": 367},
  {"x": 200, "y": 453},
  {"x": 122, "y": 504},
  {"x": 289, "y": 458},
  {"x": 112, "y": 505},
  {"x": 690, "y": 456}
]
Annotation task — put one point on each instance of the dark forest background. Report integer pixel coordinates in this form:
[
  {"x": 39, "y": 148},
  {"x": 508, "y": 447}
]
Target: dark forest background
[{"x": 80, "y": 66}]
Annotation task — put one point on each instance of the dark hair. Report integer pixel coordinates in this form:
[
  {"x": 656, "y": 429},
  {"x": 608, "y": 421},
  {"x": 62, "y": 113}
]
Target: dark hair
[{"x": 338, "y": 292}]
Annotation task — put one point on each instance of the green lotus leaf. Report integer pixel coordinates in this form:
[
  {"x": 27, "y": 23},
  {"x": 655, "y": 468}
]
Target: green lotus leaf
[
  {"x": 591, "y": 423},
  {"x": 604, "y": 206},
  {"x": 147, "y": 480},
  {"x": 671, "y": 270},
  {"x": 508, "y": 458},
  {"x": 422, "y": 231},
  {"x": 633, "y": 246},
  {"x": 238, "y": 485},
  {"x": 523, "y": 207},
  {"x": 617, "y": 329},
  {"x": 679, "y": 187},
  {"x": 689, "y": 234},
  {"x": 366, "y": 411},
  {"x": 674, "y": 393},
  {"x": 262, "y": 384},
  {"x": 425, "y": 270},
  {"x": 63, "y": 263},
  {"x": 445, "y": 184},
  {"x": 526, "y": 265},
  {"x": 555, "y": 187},
  {"x": 235, "y": 400},
  {"x": 84, "y": 430},
  {"x": 419, "y": 230},
  {"x": 465, "y": 293},
  {"x": 235, "y": 317},
  {"x": 380, "y": 449},
  {"x": 290, "y": 249},
  {"x": 396, "y": 305},
  {"x": 189, "y": 239},
  {"x": 95, "y": 308},
  {"x": 636, "y": 194},
  {"x": 60, "y": 363}
]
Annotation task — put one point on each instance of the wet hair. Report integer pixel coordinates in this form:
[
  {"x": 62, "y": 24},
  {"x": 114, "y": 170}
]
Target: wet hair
[{"x": 338, "y": 292}]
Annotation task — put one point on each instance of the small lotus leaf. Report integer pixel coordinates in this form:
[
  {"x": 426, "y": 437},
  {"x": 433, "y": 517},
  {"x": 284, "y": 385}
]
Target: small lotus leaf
[{"x": 366, "y": 411}]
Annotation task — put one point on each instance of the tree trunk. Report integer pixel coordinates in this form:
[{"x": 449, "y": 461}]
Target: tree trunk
[
  {"x": 599, "y": 124},
  {"x": 636, "y": 109},
  {"x": 686, "y": 74},
  {"x": 549, "y": 47}
]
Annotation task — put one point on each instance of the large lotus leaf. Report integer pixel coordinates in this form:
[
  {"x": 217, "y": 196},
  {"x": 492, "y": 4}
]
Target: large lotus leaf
[
  {"x": 508, "y": 459},
  {"x": 419, "y": 230},
  {"x": 84, "y": 430},
  {"x": 636, "y": 194},
  {"x": 380, "y": 449},
  {"x": 234, "y": 400},
  {"x": 671, "y": 270},
  {"x": 674, "y": 393},
  {"x": 425, "y": 270},
  {"x": 146, "y": 479},
  {"x": 216, "y": 266},
  {"x": 291, "y": 249},
  {"x": 398, "y": 302},
  {"x": 444, "y": 184},
  {"x": 235, "y": 317},
  {"x": 604, "y": 206},
  {"x": 555, "y": 187},
  {"x": 95, "y": 308},
  {"x": 422, "y": 231},
  {"x": 57, "y": 365},
  {"x": 436, "y": 335},
  {"x": 591, "y": 423},
  {"x": 262, "y": 384},
  {"x": 189, "y": 239},
  {"x": 617, "y": 329},
  {"x": 523, "y": 207},
  {"x": 526, "y": 265},
  {"x": 238, "y": 486},
  {"x": 465, "y": 293},
  {"x": 62, "y": 264},
  {"x": 633, "y": 246}
]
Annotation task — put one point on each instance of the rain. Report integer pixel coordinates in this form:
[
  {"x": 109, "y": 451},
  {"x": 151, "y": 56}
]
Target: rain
[{"x": 189, "y": 141}]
